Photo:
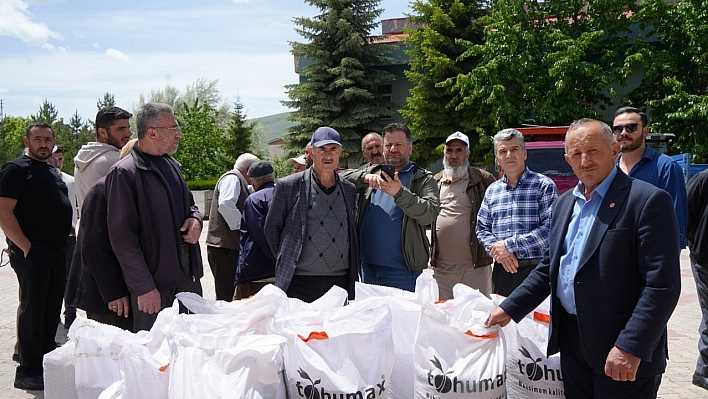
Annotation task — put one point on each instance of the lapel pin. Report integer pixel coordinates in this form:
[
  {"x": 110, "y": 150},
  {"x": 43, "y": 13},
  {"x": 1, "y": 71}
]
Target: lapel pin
[{"x": 612, "y": 204}]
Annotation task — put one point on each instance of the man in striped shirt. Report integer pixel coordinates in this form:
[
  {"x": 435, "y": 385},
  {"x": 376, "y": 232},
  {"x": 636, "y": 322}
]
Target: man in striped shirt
[
  {"x": 638, "y": 160},
  {"x": 514, "y": 219}
]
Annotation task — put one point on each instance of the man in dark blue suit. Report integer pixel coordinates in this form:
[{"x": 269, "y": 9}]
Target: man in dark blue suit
[{"x": 612, "y": 271}]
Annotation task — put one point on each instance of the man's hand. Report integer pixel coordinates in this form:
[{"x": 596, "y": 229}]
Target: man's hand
[
  {"x": 502, "y": 256},
  {"x": 497, "y": 316},
  {"x": 191, "y": 230},
  {"x": 392, "y": 186},
  {"x": 121, "y": 306},
  {"x": 621, "y": 365},
  {"x": 149, "y": 302},
  {"x": 26, "y": 251}
]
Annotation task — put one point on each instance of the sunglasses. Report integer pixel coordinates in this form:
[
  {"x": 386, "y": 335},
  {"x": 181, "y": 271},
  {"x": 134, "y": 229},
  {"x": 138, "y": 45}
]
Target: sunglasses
[{"x": 630, "y": 128}]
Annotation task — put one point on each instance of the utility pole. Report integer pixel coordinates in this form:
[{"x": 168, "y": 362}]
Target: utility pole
[{"x": 2, "y": 114}]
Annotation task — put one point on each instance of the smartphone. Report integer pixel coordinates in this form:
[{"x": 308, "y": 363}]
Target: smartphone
[{"x": 387, "y": 170}]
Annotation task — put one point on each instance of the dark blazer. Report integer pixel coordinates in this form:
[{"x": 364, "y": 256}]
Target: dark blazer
[
  {"x": 286, "y": 225},
  {"x": 95, "y": 275},
  {"x": 628, "y": 281}
]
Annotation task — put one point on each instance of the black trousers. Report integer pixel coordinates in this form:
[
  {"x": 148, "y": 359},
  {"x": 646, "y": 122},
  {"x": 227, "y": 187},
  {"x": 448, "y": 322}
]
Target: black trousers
[
  {"x": 41, "y": 277},
  {"x": 126, "y": 323},
  {"x": 223, "y": 262},
  {"x": 503, "y": 282},
  {"x": 144, "y": 321},
  {"x": 311, "y": 288},
  {"x": 581, "y": 381},
  {"x": 69, "y": 311}
]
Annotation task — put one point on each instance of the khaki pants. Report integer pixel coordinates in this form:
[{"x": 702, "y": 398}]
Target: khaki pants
[{"x": 447, "y": 275}]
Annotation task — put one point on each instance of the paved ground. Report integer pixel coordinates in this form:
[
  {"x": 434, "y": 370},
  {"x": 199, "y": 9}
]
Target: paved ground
[{"x": 683, "y": 335}]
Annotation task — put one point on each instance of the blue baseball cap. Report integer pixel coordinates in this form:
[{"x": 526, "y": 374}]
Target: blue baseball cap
[{"x": 326, "y": 135}]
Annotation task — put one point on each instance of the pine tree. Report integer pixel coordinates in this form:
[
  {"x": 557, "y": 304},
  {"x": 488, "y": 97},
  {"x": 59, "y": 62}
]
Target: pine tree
[
  {"x": 108, "y": 100},
  {"x": 446, "y": 28},
  {"x": 240, "y": 133},
  {"x": 47, "y": 113},
  {"x": 338, "y": 85}
]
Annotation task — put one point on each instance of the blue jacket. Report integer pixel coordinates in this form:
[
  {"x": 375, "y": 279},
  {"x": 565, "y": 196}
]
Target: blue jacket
[
  {"x": 256, "y": 260},
  {"x": 286, "y": 226}
]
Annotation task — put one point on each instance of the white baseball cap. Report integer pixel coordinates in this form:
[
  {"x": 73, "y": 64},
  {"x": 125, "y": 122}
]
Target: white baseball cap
[{"x": 458, "y": 136}]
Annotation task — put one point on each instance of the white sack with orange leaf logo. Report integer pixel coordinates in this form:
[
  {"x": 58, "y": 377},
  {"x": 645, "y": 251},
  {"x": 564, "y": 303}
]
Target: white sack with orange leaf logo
[
  {"x": 530, "y": 374},
  {"x": 339, "y": 353},
  {"x": 455, "y": 355}
]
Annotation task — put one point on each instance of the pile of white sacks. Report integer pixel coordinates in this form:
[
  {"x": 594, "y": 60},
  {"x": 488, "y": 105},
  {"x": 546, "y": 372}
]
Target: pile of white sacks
[{"x": 387, "y": 343}]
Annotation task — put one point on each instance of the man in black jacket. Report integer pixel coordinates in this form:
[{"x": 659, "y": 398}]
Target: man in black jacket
[
  {"x": 697, "y": 235},
  {"x": 153, "y": 223},
  {"x": 256, "y": 266}
]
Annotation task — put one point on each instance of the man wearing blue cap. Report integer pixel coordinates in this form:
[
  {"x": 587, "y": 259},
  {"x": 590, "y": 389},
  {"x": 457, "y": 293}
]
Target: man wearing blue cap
[{"x": 311, "y": 225}]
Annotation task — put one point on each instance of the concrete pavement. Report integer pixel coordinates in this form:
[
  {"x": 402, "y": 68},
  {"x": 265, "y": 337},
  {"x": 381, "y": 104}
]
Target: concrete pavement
[{"x": 683, "y": 334}]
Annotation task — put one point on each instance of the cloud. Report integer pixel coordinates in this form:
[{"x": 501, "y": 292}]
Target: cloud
[
  {"x": 16, "y": 21},
  {"x": 81, "y": 78},
  {"x": 117, "y": 55}
]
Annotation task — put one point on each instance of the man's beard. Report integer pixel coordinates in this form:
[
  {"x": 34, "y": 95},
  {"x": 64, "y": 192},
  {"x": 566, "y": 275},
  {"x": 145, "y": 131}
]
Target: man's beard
[
  {"x": 635, "y": 144},
  {"x": 458, "y": 172}
]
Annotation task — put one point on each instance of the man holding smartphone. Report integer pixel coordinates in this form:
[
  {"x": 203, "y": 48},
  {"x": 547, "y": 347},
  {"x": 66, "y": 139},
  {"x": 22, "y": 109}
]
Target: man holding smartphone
[{"x": 398, "y": 200}]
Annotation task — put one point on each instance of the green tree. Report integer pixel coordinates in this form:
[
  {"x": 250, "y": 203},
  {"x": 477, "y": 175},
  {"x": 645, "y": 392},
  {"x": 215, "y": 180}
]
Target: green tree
[
  {"x": 543, "y": 64},
  {"x": 206, "y": 91},
  {"x": 108, "y": 100},
  {"x": 71, "y": 137},
  {"x": 47, "y": 113},
  {"x": 671, "y": 49},
  {"x": 240, "y": 133},
  {"x": 447, "y": 28},
  {"x": 338, "y": 86},
  {"x": 201, "y": 150},
  {"x": 12, "y": 130}
]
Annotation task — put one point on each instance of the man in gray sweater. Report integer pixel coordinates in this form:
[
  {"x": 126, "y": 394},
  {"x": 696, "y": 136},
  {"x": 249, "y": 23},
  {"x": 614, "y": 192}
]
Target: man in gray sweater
[{"x": 311, "y": 225}]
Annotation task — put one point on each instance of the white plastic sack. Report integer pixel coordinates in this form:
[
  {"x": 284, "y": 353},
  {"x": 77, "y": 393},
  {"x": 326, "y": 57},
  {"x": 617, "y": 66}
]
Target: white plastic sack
[
  {"x": 345, "y": 352},
  {"x": 455, "y": 356},
  {"x": 426, "y": 290},
  {"x": 270, "y": 294},
  {"x": 59, "y": 373},
  {"x": 98, "y": 347},
  {"x": 530, "y": 373},
  {"x": 98, "y": 354},
  {"x": 405, "y": 310},
  {"x": 226, "y": 366}
]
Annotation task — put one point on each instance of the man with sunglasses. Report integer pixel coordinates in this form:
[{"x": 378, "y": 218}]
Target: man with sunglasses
[{"x": 642, "y": 162}]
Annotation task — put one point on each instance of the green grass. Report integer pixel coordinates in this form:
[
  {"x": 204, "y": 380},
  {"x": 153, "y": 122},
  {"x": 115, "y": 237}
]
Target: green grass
[{"x": 273, "y": 126}]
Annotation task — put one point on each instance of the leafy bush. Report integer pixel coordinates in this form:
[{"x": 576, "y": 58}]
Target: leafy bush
[{"x": 202, "y": 184}]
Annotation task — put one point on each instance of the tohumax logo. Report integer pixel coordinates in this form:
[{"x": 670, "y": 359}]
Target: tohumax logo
[
  {"x": 443, "y": 383},
  {"x": 534, "y": 371},
  {"x": 310, "y": 390}
]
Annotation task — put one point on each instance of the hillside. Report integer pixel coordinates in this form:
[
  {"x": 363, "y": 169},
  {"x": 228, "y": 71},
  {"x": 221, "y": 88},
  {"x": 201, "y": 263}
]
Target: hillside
[{"x": 273, "y": 126}]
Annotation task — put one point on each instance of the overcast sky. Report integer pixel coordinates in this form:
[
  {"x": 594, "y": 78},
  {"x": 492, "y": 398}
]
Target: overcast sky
[{"x": 71, "y": 52}]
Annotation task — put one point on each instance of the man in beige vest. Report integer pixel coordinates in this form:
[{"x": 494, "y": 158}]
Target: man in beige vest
[
  {"x": 222, "y": 239},
  {"x": 456, "y": 255}
]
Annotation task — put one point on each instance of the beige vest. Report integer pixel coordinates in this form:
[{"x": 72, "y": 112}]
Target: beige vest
[{"x": 219, "y": 233}]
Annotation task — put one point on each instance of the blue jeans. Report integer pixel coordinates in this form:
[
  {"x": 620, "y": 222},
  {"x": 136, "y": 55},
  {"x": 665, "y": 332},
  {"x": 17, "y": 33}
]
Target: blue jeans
[{"x": 389, "y": 276}]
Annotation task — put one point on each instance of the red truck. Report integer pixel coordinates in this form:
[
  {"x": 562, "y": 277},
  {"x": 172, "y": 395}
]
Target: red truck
[{"x": 545, "y": 150}]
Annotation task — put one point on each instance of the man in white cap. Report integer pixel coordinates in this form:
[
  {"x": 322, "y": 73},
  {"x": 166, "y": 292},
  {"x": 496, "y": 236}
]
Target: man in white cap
[
  {"x": 299, "y": 164},
  {"x": 311, "y": 225},
  {"x": 455, "y": 253}
]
